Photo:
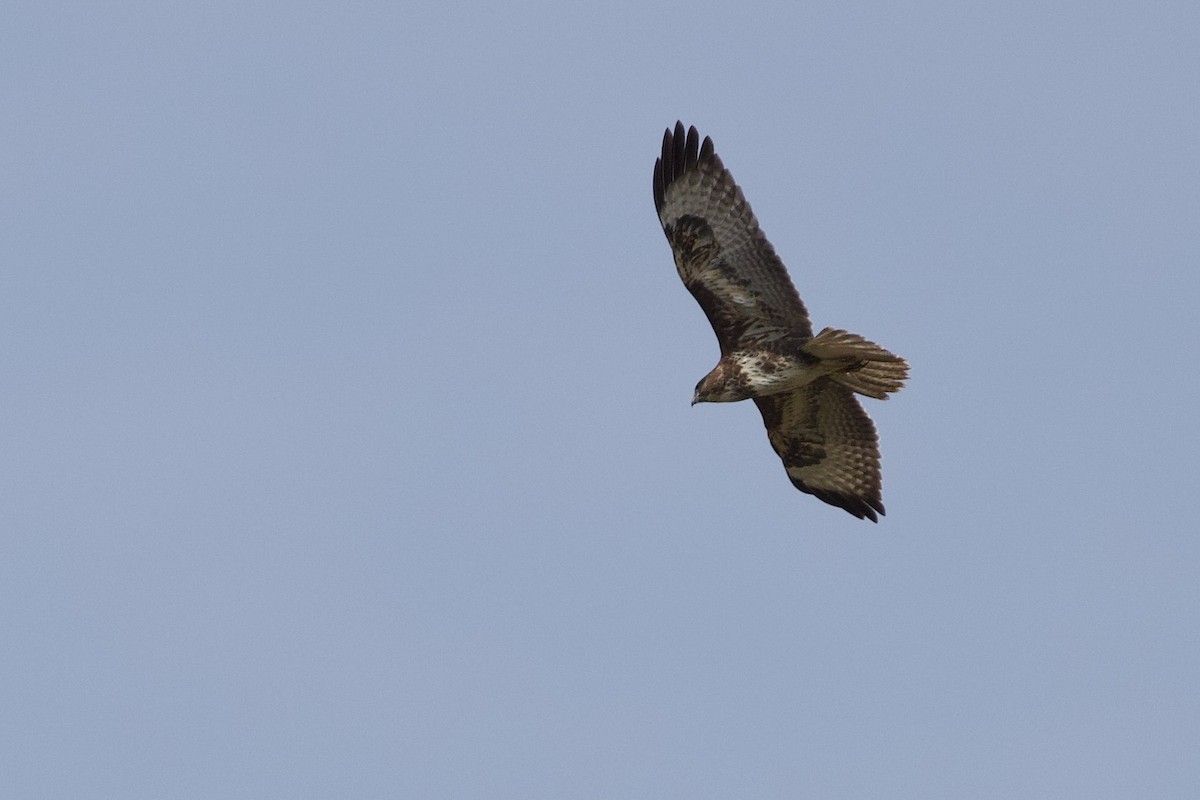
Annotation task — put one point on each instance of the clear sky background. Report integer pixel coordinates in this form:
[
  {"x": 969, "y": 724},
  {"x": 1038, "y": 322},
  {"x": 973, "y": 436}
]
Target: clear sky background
[{"x": 346, "y": 447}]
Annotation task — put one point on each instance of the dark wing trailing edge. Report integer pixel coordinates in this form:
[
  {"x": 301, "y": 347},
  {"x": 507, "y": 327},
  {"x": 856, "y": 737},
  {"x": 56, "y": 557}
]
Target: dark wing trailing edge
[
  {"x": 720, "y": 252},
  {"x": 828, "y": 445}
]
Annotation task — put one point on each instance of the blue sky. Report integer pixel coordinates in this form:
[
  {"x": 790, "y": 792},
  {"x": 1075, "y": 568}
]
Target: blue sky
[{"x": 347, "y": 448}]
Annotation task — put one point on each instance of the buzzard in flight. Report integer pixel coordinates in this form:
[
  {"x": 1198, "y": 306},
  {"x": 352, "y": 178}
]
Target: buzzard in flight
[{"x": 803, "y": 385}]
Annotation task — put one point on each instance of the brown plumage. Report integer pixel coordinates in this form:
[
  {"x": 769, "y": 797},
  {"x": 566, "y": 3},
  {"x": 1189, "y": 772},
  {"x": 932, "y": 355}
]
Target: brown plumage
[{"x": 803, "y": 385}]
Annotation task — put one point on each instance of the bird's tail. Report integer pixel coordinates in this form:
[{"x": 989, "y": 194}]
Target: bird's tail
[{"x": 870, "y": 370}]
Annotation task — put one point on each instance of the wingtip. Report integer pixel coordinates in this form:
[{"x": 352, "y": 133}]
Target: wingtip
[
  {"x": 862, "y": 507},
  {"x": 682, "y": 150}
]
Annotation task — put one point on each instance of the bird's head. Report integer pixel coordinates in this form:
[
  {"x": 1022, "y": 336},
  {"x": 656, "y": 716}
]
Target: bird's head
[{"x": 725, "y": 384}]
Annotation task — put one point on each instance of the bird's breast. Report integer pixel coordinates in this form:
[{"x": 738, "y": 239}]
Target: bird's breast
[{"x": 770, "y": 373}]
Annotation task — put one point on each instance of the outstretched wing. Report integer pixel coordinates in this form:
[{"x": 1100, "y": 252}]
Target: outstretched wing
[
  {"x": 722, "y": 256},
  {"x": 828, "y": 445}
]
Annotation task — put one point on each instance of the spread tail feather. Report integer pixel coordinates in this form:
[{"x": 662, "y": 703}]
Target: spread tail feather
[{"x": 870, "y": 370}]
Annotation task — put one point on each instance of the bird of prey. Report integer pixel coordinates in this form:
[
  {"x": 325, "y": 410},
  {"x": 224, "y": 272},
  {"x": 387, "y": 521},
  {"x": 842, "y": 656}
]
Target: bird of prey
[{"x": 803, "y": 385}]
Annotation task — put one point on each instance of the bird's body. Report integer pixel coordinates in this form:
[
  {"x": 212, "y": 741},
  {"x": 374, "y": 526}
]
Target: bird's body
[
  {"x": 803, "y": 385},
  {"x": 752, "y": 373}
]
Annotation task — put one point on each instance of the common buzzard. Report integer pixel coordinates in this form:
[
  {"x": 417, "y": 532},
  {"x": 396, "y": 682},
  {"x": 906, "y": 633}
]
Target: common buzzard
[{"x": 803, "y": 385}]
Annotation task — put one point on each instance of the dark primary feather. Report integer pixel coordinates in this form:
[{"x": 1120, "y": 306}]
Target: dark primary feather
[{"x": 720, "y": 252}]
